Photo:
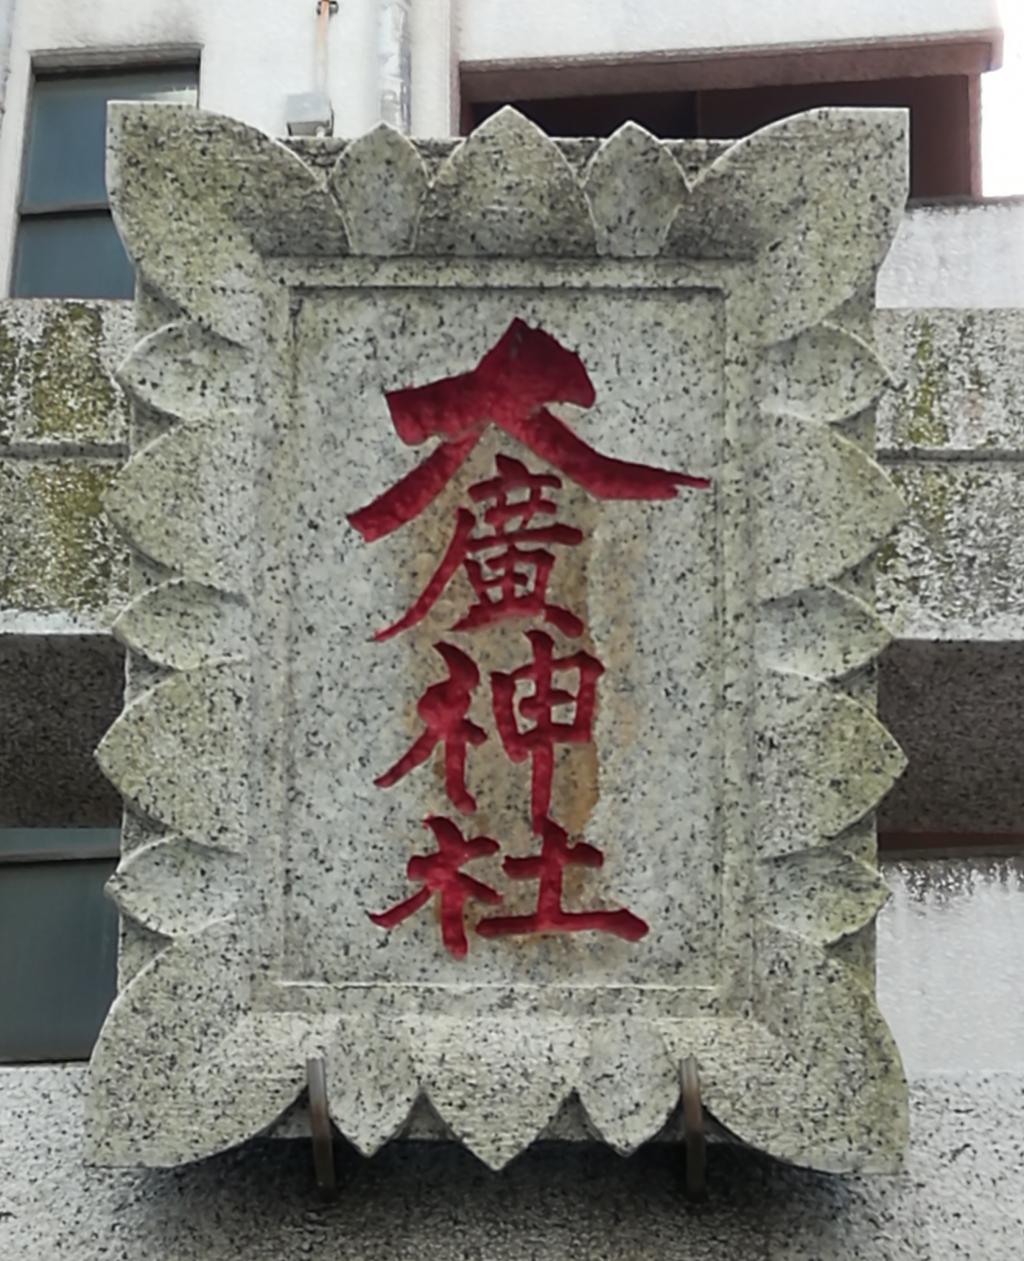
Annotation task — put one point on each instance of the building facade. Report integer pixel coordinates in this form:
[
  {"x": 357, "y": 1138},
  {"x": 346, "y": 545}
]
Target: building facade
[{"x": 951, "y": 963}]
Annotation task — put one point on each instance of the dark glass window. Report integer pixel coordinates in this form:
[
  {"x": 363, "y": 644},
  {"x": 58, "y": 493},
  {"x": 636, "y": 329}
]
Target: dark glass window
[
  {"x": 58, "y": 941},
  {"x": 59, "y": 841},
  {"x": 67, "y": 246}
]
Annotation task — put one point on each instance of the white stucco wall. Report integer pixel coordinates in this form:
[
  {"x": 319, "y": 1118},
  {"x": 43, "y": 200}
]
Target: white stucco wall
[
  {"x": 6, "y": 17},
  {"x": 253, "y": 55},
  {"x": 957, "y": 256},
  {"x": 494, "y": 30}
]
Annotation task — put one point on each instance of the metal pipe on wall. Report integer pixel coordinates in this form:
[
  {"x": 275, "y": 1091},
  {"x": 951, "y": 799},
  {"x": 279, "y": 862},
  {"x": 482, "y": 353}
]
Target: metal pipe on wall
[
  {"x": 394, "y": 53},
  {"x": 6, "y": 26}
]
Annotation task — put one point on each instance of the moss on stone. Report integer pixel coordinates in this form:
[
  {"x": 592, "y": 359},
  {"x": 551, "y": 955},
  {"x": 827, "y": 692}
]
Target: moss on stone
[
  {"x": 71, "y": 395},
  {"x": 10, "y": 378},
  {"x": 925, "y": 425},
  {"x": 59, "y": 551}
]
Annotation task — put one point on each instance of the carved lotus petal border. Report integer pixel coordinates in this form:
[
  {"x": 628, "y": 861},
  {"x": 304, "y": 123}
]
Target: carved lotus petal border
[{"x": 506, "y": 191}]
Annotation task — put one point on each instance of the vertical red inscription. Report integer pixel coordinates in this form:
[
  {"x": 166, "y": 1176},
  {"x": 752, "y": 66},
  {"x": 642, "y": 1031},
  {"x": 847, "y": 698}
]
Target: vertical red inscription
[
  {"x": 505, "y": 557},
  {"x": 511, "y": 387},
  {"x": 504, "y": 546}
]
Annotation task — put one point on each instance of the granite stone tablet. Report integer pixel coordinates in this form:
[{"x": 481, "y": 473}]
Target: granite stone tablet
[{"x": 500, "y": 717}]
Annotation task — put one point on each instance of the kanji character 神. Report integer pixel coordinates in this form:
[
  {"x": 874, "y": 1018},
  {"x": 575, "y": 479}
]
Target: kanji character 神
[
  {"x": 507, "y": 563},
  {"x": 548, "y": 868},
  {"x": 440, "y": 872},
  {"x": 538, "y": 738},
  {"x": 443, "y": 708}
]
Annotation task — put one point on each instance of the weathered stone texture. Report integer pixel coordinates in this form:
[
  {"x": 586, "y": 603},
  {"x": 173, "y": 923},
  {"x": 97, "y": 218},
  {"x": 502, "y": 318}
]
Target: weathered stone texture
[
  {"x": 57, "y": 554},
  {"x": 57, "y": 365},
  {"x": 949, "y": 428},
  {"x": 955, "y": 570},
  {"x": 722, "y": 610},
  {"x": 951, "y": 432},
  {"x": 63, "y": 425}
]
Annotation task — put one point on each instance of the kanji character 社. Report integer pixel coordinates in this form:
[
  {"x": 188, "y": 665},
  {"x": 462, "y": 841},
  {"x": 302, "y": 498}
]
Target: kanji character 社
[
  {"x": 548, "y": 868},
  {"x": 538, "y": 737},
  {"x": 507, "y": 561},
  {"x": 443, "y": 708},
  {"x": 440, "y": 873}
]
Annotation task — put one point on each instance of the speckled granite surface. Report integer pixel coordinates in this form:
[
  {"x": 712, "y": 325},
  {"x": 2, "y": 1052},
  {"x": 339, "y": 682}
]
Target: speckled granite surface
[
  {"x": 961, "y": 1197},
  {"x": 671, "y": 328}
]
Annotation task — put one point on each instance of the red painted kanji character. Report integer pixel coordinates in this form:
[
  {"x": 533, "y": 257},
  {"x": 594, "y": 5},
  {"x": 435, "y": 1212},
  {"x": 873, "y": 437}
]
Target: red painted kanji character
[
  {"x": 440, "y": 873},
  {"x": 507, "y": 566},
  {"x": 548, "y": 868},
  {"x": 511, "y": 387},
  {"x": 537, "y": 741},
  {"x": 443, "y": 708}
]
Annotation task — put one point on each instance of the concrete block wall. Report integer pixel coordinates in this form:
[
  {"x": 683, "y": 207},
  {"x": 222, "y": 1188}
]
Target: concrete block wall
[{"x": 62, "y": 433}]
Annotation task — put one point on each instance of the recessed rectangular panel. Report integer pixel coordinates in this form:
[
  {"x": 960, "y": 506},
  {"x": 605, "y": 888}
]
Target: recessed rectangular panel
[{"x": 609, "y": 585}]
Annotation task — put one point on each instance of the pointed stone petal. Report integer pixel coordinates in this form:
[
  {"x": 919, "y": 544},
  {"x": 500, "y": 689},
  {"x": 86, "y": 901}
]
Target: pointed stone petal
[
  {"x": 832, "y": 506},
  {"x": 634, "y": 187},
  {"x": 182, "y": 370},
  {"x": 820, "y": 632},
  {"x": 498, "y": 1084},
  {"x": 184, "y": 625},
  {"x": 629, "y": 1084},
  {"x": 852, "y": 1116},
  {"x": 506, "y": 190},
  {"x": 801, "y": 196},
  {"x": 175, "y": 887},
  {"x": 823, "y": 762},
  {"x": 176, "y": 504},
  {"x": 199, "y": 222},
  {"x": 822, "y": 895},
  {"x": 381, "y": 181},
  {"x": 179, "y": 754},
  {"x": 174, "y": 1041},
  {"x": 371, "y": 1081},
  {"x": 825, "y": 374}
]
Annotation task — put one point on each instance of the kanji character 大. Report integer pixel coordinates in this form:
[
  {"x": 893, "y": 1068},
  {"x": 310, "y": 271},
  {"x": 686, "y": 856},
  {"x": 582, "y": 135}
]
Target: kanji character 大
[
  {"x": 440, "y": 873},
  {"x": 511, "y": 387}
]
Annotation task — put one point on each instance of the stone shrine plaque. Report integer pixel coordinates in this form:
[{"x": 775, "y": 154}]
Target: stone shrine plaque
[{"x": 500, "y": 721}]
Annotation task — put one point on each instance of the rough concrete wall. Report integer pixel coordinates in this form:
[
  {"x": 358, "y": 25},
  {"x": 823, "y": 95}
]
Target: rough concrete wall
[
  {"x": 969, "y": 255},
  {"x": 960, "y": 1197}
]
